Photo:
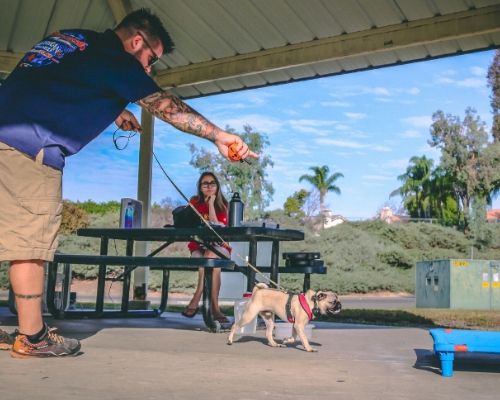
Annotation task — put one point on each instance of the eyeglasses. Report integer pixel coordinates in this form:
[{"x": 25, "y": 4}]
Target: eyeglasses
[
  {"x": 208, "y": 184},
  {"x": 154, "y": 58}
]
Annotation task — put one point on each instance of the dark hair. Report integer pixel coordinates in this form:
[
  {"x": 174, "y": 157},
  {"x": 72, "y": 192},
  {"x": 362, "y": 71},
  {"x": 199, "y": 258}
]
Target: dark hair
[
  {"x": 144, "y": 20},
  {"x": 220, "y": 201}
]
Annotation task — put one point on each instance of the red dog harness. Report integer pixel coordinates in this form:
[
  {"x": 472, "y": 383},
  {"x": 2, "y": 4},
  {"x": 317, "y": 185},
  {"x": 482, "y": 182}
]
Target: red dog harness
[{"x": 303, "y": 303}]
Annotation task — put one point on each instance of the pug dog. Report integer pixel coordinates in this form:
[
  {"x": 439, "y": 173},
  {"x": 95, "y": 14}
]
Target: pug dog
[{"x": 296, "y": 308}]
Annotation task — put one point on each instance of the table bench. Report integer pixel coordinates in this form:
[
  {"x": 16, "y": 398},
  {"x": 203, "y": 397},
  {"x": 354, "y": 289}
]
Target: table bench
[
  {"x": 447, "y": 342},
  {"x": 165, "y": 264}
]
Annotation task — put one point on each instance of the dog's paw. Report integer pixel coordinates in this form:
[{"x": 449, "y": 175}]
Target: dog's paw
[
  {"x": 311, "y": 350},
  {"x": 274, "y": 344},
  {"x": 288, "y": 340}
]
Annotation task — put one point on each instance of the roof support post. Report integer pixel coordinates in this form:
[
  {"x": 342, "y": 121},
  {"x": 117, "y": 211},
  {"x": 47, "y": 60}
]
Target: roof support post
[{"x": 144, "y": 195}]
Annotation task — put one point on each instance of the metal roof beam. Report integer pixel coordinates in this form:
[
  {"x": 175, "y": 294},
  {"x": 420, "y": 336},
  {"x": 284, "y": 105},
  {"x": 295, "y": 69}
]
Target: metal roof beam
[
  {"x": 448, "y": 27},
  {"x": 9, "y": 60},
  {"x": 119, "y": 9}
]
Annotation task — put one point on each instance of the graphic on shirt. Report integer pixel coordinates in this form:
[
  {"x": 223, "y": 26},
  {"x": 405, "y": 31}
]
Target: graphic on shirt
[{"x": 53, "y": 48}]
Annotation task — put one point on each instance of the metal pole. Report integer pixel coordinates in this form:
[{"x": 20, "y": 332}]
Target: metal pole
[{"x": 144, "y": 195}]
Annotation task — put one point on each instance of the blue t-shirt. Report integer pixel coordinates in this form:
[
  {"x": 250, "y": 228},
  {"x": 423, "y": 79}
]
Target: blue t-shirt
[{"x": 66, "y": 90}]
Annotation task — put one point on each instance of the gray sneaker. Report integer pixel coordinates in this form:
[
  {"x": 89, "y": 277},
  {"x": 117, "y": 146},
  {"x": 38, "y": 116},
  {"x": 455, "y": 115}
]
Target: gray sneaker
[{"x": 51, "y": 345}]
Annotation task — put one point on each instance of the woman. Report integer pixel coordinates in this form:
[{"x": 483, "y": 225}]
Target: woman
[{"x": 212, "y": 205}]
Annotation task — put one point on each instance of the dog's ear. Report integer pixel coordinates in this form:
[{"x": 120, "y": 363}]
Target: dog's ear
[{"x": 320, "y": 296}]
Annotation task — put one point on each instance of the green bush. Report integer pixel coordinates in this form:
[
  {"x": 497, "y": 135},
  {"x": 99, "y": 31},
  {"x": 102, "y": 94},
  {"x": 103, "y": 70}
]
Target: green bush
[
  {"x": 73, "y": 218},
  {"x": 396, "y": 258},
  {"x": 360, "y": 256},
  {"x": 92, "y": 207}
]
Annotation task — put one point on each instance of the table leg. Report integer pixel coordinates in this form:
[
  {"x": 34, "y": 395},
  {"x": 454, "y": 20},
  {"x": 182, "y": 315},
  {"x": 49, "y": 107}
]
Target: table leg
[
  {"x": 164, "y": 291},
  {"x": 252, "y": 259},
  {"x": 446, "y": 358},
  {"x": 208, "y": 317},
  {"x": 126, "y": 277},
  {"x": 101, "y": 278},
  {"x": 275, "y": 252},
  {"x": 51, "y": 287},
  {"x": 307, "y": 283}
]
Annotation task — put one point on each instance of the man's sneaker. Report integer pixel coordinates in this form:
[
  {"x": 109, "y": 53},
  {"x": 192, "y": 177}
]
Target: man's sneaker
[
  {"x": 51, "y": 345},
  {"x": 7, "y": 339}
]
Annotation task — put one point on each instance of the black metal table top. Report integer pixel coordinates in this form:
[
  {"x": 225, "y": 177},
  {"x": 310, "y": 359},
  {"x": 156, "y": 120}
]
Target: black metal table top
[{"x": 233, "y": 234}]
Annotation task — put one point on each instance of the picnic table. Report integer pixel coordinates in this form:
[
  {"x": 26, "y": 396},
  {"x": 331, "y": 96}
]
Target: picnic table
[{"x": 167, "y": 235}]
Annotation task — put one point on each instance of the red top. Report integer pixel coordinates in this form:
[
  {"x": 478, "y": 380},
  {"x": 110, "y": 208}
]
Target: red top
[{"x": 203, "y": 210}]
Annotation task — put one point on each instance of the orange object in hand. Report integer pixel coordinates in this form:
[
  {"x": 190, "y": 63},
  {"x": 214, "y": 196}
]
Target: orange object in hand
[{"x": 232, "y": 152}]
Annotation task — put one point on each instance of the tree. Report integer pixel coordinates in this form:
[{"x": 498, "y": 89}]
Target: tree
[
  {"x": 494, "y": 84},
  {"x": 322, "y": 182},
  {"x": 294, "y": 203},
  {"x": 415, "y": 185},
  {"x": 442, "y": 199},
  {"x": 463, "y": 145},
  {"x": 250, "y": 180}
]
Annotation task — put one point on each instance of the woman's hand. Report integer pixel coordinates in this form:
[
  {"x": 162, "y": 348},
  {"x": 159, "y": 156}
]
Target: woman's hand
[{"x": 210, "y": 200}]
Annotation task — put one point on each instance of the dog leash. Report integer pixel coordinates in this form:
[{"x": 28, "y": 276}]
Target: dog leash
[{"x": 205, "y": 222}]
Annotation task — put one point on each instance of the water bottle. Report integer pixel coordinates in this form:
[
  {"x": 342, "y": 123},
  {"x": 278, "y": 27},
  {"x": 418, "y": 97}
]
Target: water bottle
[
  {"x": 129, "y": 216},
  {"x": 235, "y": 210},
  {"x": 239, "y": 309}
]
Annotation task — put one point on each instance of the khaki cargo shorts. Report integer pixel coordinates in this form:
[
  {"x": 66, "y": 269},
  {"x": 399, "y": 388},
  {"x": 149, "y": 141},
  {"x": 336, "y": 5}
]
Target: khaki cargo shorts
[{"x": 30, "y": 206}]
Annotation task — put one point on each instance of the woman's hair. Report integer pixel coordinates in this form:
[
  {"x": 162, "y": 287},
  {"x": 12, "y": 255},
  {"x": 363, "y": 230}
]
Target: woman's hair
[{"x": 220, "y": 201}]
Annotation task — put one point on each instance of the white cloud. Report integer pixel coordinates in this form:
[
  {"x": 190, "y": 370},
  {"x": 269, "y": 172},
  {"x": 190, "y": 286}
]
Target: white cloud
[
  {"x": 313, "y": 126},
  {"x": 410, "y": 134},
  {"x": 377, "y": 178},
  {"x": 335, "y": 104},
  {"x": 355, "y": 116},
  {"x": 397, "y": 164},
  {"x": 381, "y": 148},
  {"x": 341, "y": 143},
  {"x": 260, "y": 122},
  {"x": 475, "y": 82},
  {"x": 423, "y": 121},
  {"x": 413, "y": 91},
  {"x": 478, "y": 71},
  {"x": 380, "y": 91},
  {"x": 472, "y": 83}
]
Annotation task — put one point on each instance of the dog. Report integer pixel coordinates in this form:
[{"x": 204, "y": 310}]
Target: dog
[{"x": 299, "y": 309}]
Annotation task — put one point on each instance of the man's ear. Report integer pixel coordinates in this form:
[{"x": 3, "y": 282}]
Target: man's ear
[{"x": 136, "y": 41}]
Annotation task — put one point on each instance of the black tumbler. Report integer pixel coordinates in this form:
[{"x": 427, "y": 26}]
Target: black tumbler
[{"x": 235, "y": 210}]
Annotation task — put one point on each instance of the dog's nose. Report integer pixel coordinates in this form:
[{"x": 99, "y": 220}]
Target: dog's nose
[{"x": 337, "y": 307}]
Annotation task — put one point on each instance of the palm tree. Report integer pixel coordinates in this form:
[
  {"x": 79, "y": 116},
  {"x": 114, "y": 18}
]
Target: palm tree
[
  {"x": 322, "y": 182},
  {"x": 415, "y": 182}
]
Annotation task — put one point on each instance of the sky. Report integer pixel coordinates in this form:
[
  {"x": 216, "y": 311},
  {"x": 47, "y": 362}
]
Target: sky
[{"x": 366, "y": 125}]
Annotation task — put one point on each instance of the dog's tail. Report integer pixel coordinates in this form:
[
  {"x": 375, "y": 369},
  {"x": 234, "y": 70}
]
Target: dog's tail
[{"x": 259, "y": 286}]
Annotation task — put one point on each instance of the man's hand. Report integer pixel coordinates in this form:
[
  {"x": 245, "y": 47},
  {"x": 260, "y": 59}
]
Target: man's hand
[
  {"x": 126, "y": 121},
  {"x": 223, "y": 140}
]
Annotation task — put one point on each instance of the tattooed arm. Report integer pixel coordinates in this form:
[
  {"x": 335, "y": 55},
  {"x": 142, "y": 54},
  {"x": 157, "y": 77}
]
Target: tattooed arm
[{"x": 171, "y": 109}]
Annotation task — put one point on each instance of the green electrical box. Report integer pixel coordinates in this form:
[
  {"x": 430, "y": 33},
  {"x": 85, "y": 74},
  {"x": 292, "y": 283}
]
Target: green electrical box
[{"x": 460, "y": 284}]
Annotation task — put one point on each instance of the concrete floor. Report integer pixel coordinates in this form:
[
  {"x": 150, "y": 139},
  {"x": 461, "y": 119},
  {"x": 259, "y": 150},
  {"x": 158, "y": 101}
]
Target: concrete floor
[{"x": 173, "y": 357}]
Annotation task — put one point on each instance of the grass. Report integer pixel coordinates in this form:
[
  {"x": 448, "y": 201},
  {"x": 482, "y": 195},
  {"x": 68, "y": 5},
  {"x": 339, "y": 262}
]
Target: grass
[{"x": 425, "y": 318}]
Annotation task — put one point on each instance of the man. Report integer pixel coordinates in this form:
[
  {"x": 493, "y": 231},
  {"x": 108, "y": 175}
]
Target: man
[{"x": 64, "y": 92}]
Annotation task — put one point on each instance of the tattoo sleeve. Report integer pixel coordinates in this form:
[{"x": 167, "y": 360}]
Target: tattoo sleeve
[{"x": 171, "y": 109}]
